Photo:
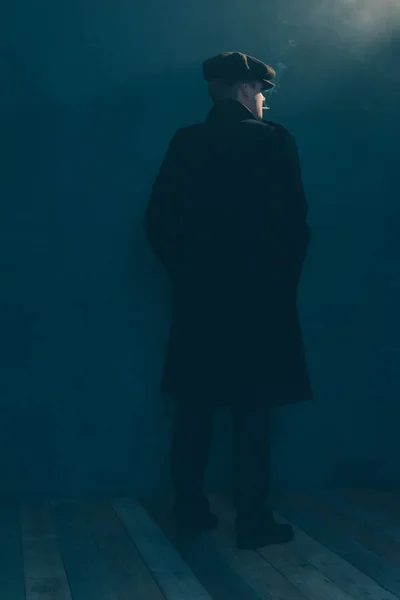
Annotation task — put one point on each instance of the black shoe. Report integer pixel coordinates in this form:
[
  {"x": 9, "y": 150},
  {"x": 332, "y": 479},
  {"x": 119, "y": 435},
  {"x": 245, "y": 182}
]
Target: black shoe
[
  {"x": 254, "y": 533},
  {"x": 192, "y": 522}
]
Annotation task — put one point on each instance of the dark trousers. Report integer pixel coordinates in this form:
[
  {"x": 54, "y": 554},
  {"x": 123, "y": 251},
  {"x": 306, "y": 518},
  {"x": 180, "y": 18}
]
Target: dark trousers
[{"x": 193, "y": 426}]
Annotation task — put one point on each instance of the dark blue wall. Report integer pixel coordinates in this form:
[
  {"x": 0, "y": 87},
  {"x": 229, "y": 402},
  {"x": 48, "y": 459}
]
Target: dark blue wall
[{"x": 91, "y": 93}]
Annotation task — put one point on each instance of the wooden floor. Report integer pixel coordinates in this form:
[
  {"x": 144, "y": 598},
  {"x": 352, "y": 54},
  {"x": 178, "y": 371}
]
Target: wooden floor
[{"x": 347, "y": 546}]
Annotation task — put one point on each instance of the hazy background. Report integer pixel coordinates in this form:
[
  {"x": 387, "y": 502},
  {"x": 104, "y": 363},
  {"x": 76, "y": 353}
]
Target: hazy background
[{"x": 91, "y": 93}]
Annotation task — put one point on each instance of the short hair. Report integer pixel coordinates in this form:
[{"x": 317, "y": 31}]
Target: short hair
[{"x": 221, "y": 90}]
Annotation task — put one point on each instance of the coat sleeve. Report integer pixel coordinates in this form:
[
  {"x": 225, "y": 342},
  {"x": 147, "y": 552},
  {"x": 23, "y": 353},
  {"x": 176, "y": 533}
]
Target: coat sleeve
[
  {"x": 293, "y": 209},
  {"x": 163, "y": 215}
]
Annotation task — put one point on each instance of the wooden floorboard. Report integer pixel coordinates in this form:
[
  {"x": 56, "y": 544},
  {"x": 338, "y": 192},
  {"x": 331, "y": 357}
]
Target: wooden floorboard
[
  {"x": 207, "y": 561},
  {"x": 12, "y": 585},
  {"x": 263, "y": 577},
  {"x": 45, "y": 577},
  {"x": 296, "y": 569},
  {"x": 173, "y": 575},
  {"x": 131, "y": 578},
  {"x": 346, "y": 547},
  {"x": 339, "y": 571},
  {"x": 362, "y": 530},
  {"x": 87, "y": 571},
  {"x": 372, "y": 507},
  {"x": 307, "y": 512}
]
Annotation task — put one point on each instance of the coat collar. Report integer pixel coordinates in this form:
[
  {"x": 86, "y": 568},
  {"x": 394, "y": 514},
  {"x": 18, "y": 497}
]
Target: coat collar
[{"x": 227, "y": 112}]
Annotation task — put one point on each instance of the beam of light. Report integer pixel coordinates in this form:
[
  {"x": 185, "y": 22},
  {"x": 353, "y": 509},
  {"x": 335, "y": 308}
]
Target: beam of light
[{"x": 365, "y": 17}]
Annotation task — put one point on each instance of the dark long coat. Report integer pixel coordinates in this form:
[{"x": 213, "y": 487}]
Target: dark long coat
[{"x": 227, "y": 218}]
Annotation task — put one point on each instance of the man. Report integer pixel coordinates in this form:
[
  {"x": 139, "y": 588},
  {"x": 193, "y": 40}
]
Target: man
[{"x": 227, "y": 218}]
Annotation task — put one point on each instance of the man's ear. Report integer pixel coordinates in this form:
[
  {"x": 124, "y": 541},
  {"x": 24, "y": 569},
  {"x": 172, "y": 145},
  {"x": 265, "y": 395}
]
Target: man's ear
[{"x": 245, "y": 89}]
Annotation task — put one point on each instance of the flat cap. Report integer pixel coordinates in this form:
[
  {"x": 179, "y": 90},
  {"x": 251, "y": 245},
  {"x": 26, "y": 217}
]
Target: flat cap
[{"x": 232, "y": 67}]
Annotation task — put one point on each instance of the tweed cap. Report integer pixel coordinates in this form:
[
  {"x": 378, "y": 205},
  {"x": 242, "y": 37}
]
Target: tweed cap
[{"x": 232, "y": 67}]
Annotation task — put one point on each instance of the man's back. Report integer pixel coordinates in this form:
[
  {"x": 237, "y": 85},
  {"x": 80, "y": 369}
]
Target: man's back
[
  {"x": 227, "y": 219},
  {"x": 224, "y": 214},
  {"x": 229, "y": 188}
]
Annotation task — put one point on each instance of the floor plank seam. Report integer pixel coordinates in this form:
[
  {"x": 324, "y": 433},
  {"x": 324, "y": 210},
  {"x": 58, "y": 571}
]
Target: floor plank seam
[{"x": 131, "y": 539}]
